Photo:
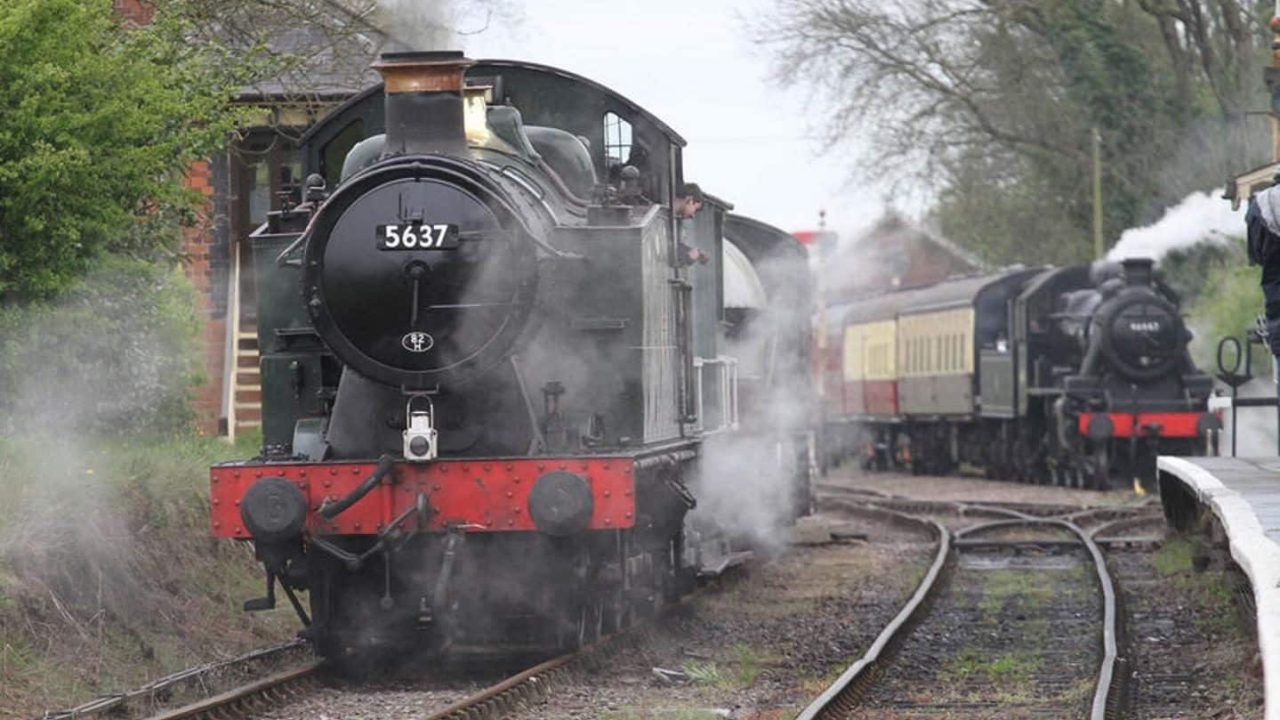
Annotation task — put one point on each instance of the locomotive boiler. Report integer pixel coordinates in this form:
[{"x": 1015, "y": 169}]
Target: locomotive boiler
[
  {"x": 493, "y": 359},
  {"x": 1075, "y": 376}
]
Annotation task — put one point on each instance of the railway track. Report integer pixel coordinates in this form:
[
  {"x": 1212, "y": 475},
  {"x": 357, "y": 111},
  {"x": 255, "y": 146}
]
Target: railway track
[
  {"x": 284, "y": 694},
  {"x": 306, "y": 687},
  {"x": 1054, "y": 579},
  {"x": 1027, "y": 541},
  {"x": 193, "y": 681},
  {"x": 1166, "y": 651}
]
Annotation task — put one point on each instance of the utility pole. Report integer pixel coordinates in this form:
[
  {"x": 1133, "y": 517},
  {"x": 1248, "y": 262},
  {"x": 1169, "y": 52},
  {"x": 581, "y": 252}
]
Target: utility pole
[
  {"x": 1099, "y": 249},
  {"x": 1272, "y": 78}
]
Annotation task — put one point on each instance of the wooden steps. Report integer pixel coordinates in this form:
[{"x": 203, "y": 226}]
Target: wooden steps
[{"x": 247, "y": 379}]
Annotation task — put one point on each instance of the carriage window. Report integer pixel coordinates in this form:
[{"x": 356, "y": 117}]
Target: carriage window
[{"x": 617, "y": 138}]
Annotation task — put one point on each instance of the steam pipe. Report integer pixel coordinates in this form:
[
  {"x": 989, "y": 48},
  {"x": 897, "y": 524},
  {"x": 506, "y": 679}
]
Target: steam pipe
[{"x": 329, "y": 511}]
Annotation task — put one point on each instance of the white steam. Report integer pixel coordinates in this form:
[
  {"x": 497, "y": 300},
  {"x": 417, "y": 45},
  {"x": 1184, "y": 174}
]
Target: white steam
[
  {"x": 419, "y": 24},
  {"x": 1200, "y": 216},
  {"x": 1256, "y": 436},
  {"x": 440, "y": 24},
  {"x": 746, "y": 480}
]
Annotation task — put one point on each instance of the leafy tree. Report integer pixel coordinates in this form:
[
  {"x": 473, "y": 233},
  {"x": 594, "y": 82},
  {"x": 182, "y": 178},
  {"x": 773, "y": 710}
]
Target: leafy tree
[
  {"x": 115, "y": 352},
  {"x": 99, "y": 122},
  {"x": 994, "y": 103}
]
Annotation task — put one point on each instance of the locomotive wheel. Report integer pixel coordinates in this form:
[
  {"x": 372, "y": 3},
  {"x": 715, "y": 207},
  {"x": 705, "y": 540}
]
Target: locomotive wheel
[{"x": 1098, "y": 468}]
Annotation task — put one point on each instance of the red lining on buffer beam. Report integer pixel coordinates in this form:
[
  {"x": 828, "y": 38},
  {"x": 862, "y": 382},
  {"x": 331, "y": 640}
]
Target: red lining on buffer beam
[
  {"x": 1171, "y": 424},
  {"x": 487, "y": 495}
]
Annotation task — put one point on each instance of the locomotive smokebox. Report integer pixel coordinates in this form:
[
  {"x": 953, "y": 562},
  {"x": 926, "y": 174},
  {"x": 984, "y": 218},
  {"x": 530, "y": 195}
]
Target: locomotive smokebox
[
  {"x": 424, "y": 102},
  {"x": 1138, "y": 271}
]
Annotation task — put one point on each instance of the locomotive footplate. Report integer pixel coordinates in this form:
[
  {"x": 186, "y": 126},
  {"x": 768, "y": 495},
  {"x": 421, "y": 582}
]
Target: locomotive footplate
[{"x": 479, "y": 495}]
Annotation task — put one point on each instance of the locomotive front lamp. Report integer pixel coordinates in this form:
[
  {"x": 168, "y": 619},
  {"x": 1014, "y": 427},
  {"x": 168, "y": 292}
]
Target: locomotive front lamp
[{"x": 420, "y": 433}]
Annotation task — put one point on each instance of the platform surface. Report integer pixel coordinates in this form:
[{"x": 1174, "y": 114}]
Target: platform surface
[
  {"x": 1255, "y": 480},
  {"x": 1244, "y": 494}
]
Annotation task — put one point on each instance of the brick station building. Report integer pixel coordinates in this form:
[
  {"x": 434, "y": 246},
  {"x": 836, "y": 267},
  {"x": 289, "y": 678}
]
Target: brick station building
[{"x": 258, "y": 172}]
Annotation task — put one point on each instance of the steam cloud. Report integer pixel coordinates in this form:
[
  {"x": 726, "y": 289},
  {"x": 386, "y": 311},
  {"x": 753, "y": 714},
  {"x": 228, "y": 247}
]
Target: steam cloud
[
  {"x": 745, "y": 482},
  {"x": 1257, "y": 431},
  {"x": 419, "y": 24},
  {"x": 1200, "y": 216}
]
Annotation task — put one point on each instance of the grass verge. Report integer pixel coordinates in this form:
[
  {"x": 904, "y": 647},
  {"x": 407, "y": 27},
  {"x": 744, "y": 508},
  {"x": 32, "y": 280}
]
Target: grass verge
[{"x": 108, "y": 574}]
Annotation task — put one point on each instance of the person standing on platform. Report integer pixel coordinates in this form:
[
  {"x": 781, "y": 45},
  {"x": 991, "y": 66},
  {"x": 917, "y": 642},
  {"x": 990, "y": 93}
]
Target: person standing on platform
[{"x": 1263, "y": 223}]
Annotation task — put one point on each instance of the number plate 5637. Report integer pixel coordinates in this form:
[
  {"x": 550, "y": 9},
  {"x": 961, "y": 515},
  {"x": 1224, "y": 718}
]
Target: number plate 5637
[{"x": 417, "y": 236}]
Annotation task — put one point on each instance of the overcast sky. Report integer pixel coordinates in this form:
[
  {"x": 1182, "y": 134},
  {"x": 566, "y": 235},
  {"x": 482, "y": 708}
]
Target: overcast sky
[{"x": 693, "y": 64}]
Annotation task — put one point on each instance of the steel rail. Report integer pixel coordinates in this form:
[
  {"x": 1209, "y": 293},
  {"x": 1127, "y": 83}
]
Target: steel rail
[
  {"x": 1117, "y": 524},
  {"x": 496, "y": 701},
  {"x": 258, "y": 688},
  {"x": 113, "y": 701},
  {"x": 840, "y": 694},
  {"x": 493, "y": 701},
  {"x": 502, "y": 697},
  {"x": 1057, "y": 510}
]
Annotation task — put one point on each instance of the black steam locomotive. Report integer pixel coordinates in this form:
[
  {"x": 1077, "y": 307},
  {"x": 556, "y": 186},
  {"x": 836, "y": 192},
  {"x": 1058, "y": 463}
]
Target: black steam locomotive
[
  {"x": 496, "y": 366},
  {"x": 1074, "y": 376}
]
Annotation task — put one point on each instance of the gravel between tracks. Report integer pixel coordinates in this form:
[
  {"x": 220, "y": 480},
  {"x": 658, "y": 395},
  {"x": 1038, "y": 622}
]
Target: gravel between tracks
[
  {"x": 1191, "y": 653},
  {"x": 1012, "y": 635},
  {"x": 373, "y": 702},
  {"x": 761, "y": 645}
]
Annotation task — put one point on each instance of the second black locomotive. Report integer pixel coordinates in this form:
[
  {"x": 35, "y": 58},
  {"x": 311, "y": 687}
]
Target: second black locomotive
[{"x": 1076, "y": 376}]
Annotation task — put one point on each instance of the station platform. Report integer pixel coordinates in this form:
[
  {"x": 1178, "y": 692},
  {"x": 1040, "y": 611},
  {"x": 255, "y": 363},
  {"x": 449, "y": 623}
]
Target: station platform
[{"x": 1243, "y": 495}]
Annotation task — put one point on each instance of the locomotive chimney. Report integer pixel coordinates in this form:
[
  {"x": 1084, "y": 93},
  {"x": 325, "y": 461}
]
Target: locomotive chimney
[
  {"x": 424, "y": 103},
  {"x": 1138, "y": 271}
]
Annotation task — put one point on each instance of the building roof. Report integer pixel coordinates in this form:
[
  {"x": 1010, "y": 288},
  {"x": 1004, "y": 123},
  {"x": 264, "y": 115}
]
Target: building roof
[{"x": 325, "y": 64}]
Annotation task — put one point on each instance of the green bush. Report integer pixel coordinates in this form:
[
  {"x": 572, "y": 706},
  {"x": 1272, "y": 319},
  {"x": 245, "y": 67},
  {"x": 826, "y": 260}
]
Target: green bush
[
  {"x": 99, "y": 122},
  {"x": 115, "y": 354}
]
